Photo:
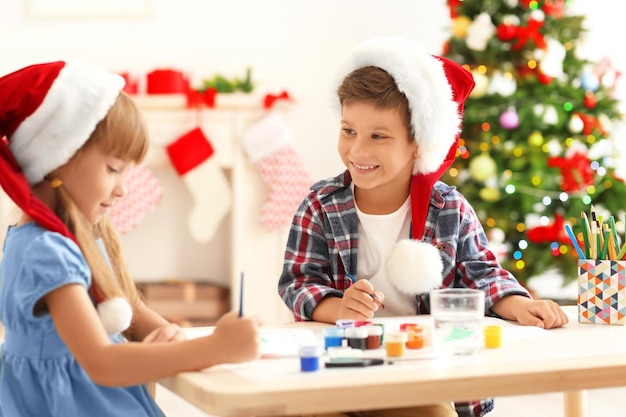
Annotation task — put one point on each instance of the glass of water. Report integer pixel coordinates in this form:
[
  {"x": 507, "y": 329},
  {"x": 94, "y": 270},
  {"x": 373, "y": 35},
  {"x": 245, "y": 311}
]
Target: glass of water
[{"x": 457, "y": 315}]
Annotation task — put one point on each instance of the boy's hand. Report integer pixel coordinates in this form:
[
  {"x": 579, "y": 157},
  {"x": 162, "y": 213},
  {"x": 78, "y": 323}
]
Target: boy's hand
[
  {"x": 542, "y": 313},
  {"x": 357, "y": 302}
]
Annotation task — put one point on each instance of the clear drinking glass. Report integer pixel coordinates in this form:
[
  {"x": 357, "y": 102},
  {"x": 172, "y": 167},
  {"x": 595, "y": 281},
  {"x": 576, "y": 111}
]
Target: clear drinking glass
[{"x": 457, "y": 315}]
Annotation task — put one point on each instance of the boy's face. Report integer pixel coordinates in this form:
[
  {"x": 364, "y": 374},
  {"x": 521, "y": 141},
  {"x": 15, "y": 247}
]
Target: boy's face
[{"x": 374, "y": 145}]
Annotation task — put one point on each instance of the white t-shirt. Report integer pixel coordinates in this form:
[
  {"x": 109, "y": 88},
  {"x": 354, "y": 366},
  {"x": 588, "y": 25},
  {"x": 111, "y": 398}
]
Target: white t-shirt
[{"x": 378, "y": 234}]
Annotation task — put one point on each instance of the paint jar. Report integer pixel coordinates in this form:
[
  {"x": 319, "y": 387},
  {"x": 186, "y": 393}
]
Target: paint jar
[
  {"x": 333, "y": 337},
  {"x": 309, "y": 358},
  {"x": 374, "y": 335},
  {"x": 395, "y": 343},
  {"x": 356, "y": 337},
  {"x": 382, "y": 336},
  {"x": 415, "y": 335},
  {"x": 493, "y": 336}
]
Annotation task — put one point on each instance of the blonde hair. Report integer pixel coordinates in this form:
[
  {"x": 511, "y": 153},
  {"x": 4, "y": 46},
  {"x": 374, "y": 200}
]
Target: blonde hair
[{"x": 121, "y": 133}]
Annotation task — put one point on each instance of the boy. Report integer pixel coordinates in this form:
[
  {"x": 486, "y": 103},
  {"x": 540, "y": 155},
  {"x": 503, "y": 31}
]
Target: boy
[{"x": 401, "y": 116}]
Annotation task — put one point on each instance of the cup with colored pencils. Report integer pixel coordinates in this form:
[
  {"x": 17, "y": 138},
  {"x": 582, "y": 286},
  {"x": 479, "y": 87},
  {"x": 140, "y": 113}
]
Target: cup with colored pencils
[{"x": 601, "y": 270}]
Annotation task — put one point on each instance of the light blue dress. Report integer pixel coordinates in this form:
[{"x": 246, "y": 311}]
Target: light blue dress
[{"x": 39, "y": 377}]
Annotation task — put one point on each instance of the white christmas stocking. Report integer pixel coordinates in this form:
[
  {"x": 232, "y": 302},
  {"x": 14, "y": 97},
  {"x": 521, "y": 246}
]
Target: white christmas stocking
[
  {"x": 144, "y": 193},
  {"x": 192, "y": 158},
  {"x": 268, "y": 143}
]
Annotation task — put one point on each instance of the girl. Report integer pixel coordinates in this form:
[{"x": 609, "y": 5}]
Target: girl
[{"x": 79, "y": 341}]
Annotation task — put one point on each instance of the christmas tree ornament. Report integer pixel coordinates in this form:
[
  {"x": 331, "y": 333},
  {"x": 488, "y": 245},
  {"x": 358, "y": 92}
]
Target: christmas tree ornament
[
  {"x": 482, "y": 167},
  {"x": 143, "y": 194},
  {"x": 509, "y": 119},
  {"x": 535, "y": 139},
  {"x": 575, "y": 169},
  {"x": 506, "y": 32},
  {"x": 547, "y": 113},
  {"x": 269, "y": 145},
  {"x": 489, "y": 194},
  {"x": 459, "y": 26},
  {"x": 502, "y": 83},
  {"x": 551, "y": 58},
  {"x": 531, "y": 32},
  {"x": 589, "y": 81},
  {"x": 554, "y": 8},
  {"x": 193, "y": 158},
  {"x": 575, "y": 124},
  {"x": 590, "y": 101},
  {"x": 482, "y": 84},
  {"x": 479, "y": 32}
]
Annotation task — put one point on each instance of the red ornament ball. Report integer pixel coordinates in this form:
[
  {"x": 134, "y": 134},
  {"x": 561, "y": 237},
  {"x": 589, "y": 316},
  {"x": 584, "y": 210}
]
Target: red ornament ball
[
  {"x": 505, "y": 32},
  {"x": 590, "y": 100}
]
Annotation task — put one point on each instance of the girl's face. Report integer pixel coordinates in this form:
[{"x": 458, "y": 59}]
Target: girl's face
[
  {"x": 374, "y": 145},
  {"x": 95, "y": 181}
]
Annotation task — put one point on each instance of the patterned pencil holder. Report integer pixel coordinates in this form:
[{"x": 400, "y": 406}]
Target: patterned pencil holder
[{"x": 602, "y": 292}]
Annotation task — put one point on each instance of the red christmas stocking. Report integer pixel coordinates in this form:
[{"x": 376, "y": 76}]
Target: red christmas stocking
[
  {"x": 192, "y": 157},
  {"x": 143, "y": 194},
  {"x": 268, "y": 143}
]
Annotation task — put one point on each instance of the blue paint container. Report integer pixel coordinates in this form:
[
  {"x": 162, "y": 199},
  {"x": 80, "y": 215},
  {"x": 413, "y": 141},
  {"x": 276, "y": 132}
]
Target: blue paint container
[
  {"x": 309, "y": 358},
  {"x": 333, "y": 336}
]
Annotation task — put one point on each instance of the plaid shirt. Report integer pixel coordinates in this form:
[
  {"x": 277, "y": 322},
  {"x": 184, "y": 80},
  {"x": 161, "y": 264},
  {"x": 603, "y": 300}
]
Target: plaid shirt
[{"x": 323, "y": 241}]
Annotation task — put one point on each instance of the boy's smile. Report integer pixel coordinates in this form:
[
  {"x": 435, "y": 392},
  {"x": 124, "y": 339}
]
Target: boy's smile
[{"x": 374, "y": 145}]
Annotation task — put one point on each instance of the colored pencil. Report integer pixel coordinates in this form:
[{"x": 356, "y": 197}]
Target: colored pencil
[
  {"x": 586, "y": 233},
  {"x": 569, "y": 231},
  {"x": 605, "y": 242}
]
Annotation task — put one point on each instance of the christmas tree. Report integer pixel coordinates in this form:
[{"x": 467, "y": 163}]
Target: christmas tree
[{"x": 536, "y": 149}]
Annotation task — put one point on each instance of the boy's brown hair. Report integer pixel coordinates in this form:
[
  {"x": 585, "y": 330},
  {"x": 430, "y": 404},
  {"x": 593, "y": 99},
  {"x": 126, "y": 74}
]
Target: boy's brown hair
[{"x": 375, "y": 85}]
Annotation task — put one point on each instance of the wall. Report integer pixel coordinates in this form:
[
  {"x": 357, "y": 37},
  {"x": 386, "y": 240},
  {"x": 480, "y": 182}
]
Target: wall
[{"x": 290, "y": 44}]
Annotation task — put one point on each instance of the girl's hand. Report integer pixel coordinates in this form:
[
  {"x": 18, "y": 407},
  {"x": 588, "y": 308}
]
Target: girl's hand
[
  {"x": 168, "y": 333},
  {"x": 239, "y": 338},
  {"x": 357, "y": 302}
]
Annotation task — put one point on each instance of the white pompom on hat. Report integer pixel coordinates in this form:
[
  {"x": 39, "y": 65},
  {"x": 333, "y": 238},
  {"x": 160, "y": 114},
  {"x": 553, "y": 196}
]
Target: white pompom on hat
[
  {"x": 48, "y": 112},
  {"x": 436, "y": 89}
]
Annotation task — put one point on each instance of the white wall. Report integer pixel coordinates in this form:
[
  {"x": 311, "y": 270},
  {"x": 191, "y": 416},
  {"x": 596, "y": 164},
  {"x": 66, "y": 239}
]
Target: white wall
[{"x": 290, "y": 44}]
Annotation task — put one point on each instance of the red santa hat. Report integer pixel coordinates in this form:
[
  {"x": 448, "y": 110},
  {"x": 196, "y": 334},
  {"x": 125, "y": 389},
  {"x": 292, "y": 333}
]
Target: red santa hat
[
  {"x": 47, "y": 113},
  {"x": 436, "y": 89}
]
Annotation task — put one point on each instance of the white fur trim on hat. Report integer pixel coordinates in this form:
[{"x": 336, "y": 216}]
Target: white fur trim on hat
[
  {"x": 116, "y": 314},
  {"x": 414, "y": 267},
  {"x": 78, "y": 99},
  {"x": 420, "y": 76}
]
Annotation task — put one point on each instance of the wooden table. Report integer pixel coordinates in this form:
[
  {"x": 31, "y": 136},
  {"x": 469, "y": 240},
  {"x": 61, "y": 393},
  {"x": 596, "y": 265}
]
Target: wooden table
[{"x": 571, "y": 360}]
